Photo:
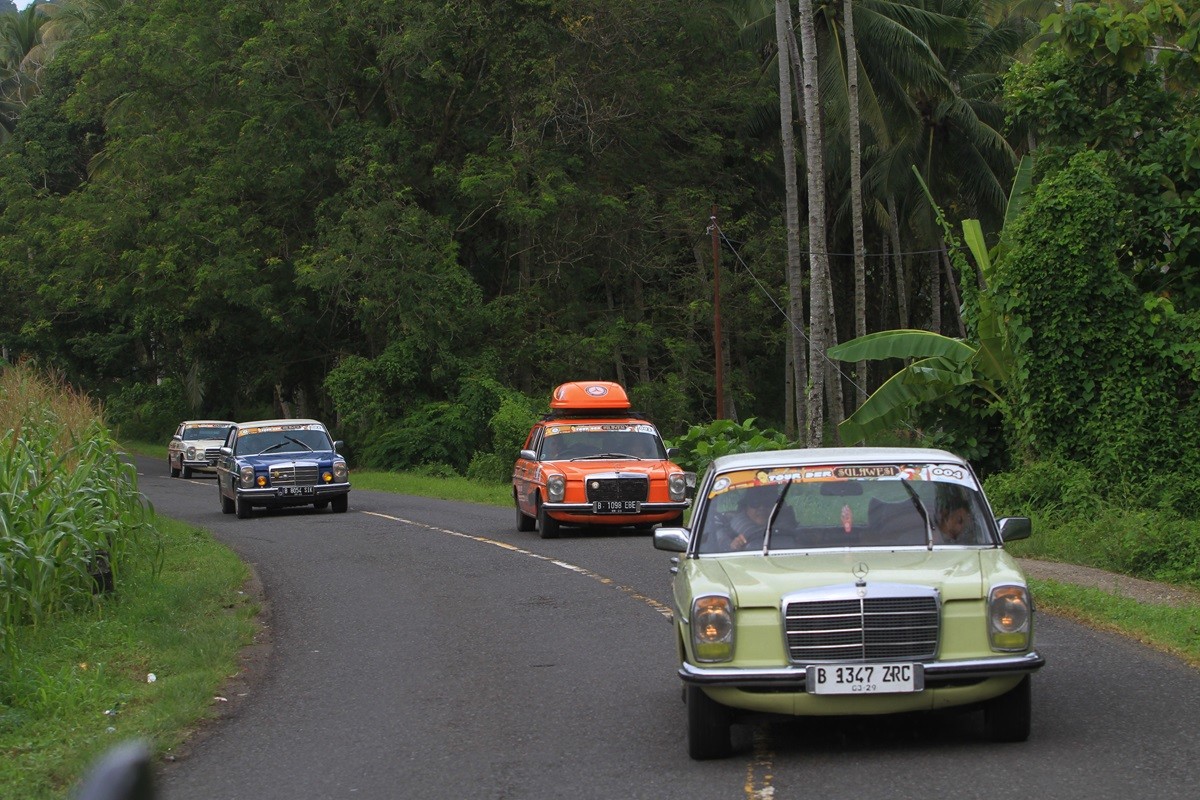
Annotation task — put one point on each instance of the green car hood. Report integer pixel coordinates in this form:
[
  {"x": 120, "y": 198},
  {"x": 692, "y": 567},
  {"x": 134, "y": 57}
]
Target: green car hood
[{"x": 754, "y": 580}]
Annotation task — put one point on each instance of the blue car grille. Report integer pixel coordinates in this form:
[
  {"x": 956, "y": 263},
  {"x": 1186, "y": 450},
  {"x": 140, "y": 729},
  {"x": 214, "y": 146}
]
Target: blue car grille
[
  {"x": 294, "y": 475},
  {"x": 872, "y": 628}
]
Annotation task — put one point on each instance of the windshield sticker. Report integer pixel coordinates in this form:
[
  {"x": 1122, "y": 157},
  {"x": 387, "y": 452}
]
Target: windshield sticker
[
  {"x": 557, "y": 429},
  {"x": 940, "y": 473},
  {"x": 278, "y": 428}
]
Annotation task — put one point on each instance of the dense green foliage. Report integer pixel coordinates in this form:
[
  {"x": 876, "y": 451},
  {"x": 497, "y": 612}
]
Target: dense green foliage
[{"x": 413, "y": 221}]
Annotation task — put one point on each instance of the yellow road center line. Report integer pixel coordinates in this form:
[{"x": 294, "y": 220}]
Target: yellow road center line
[{"x": 759, "y": 771}]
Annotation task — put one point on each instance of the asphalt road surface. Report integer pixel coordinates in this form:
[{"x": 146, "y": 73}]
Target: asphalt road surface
[{"x": 426, "y": 649}]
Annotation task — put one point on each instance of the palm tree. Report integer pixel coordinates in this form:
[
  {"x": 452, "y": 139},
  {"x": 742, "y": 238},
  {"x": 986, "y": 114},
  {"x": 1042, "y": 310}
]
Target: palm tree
[{"x": 21, "y": 58}]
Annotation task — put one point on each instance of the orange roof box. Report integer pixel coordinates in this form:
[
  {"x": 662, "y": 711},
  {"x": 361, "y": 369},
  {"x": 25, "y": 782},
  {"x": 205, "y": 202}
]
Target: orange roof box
[{"x": 590, "y": 396}]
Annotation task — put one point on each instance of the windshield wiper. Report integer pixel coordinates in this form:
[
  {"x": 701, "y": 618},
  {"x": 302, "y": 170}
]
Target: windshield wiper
[
  {"x": 275, "y": 446},
  {"x": 607, "y": 455},
  {"x": 775, "y": 509},
  {"x": 302, "y": 444},
  {"x": 922, "y": 511}
]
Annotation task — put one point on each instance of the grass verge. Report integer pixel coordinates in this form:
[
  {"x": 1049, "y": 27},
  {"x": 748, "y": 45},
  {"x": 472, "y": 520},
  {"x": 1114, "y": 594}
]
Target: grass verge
[
  {"x": 1171, "y": 629},
  {"x": 82, "y": 683}
]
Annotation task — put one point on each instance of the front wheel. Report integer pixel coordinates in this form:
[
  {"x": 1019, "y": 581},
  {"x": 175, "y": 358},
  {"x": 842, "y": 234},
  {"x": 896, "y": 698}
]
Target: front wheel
[
  {"x": 548, "y": 526},
  {"x": 340, "y": 503},
  {"x": 171, "y": 467},
  {"x": 187, "y": 472},
  {"x": 226, "y": 503},
  {"x": 241, "y": 507},
  {"x": 1007, "y": 718},
  {"x": 708, "y": 726}
]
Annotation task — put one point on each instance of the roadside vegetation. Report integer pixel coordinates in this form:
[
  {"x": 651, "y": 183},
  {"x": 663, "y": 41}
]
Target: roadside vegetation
[{"x": 99, "y": 594}]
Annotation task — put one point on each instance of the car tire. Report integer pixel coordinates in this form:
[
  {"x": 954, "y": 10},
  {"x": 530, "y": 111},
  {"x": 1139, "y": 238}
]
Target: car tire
[
  {"x": 340, "y": 503},
  {"x": 187, "y": 472},
  {"x": 547, "y": 525},
  {"x": 709, "y": 725},
  {"x": 525, "y": 523},
  {"x": 226, "y": 503},
  {"x": 241, "y": 507},
  {"x": 171, "y": 467},
  {"x": 1007, "y": 718}
]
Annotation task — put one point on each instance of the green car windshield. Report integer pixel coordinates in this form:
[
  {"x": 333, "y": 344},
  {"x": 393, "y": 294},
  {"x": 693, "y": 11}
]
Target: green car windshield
[{"x": 844, "y": 506}]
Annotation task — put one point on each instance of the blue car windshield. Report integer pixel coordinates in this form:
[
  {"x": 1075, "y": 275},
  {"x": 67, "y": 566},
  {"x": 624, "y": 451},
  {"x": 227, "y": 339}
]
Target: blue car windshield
[{"x": 282, "y": 441}]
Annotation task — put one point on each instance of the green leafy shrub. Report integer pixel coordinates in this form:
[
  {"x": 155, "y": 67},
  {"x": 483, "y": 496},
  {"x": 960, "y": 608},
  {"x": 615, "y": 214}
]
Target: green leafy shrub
[
  {"x": 1049, "y": 487},
  {"x": 1159, "y": 546},
  {"x": 704, "y": 443},
  {"x": 434, "y": 433},
  {"x": 147, "y": 412},
  {"x": 490, "y": 468}
]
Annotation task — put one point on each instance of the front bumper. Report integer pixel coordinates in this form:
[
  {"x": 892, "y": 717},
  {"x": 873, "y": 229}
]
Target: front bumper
[
  {"x": 271, "y": 496},
  {"x": 205, "y": 464},
  {"x": 646, "y": 508},
  {"x": 795, "y": 678}
]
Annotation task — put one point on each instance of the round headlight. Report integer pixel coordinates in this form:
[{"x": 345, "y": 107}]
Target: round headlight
[
  {"x": 1009, "y": 618},
  {"x": 247, "y": 475}
]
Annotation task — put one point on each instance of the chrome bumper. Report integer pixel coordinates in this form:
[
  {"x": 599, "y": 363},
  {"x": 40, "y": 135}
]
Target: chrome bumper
[
  {"x": 271, "y": 493},
  {"x": 646, "y": 508},
  {"x": 795, "y": 678}
]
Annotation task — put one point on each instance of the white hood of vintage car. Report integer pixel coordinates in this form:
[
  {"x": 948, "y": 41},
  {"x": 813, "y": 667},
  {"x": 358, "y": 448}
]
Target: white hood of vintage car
[{"x": 958, "y": 574}]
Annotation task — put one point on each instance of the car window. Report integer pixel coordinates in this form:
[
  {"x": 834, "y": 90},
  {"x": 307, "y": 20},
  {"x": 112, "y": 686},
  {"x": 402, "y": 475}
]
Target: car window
[
  {"x": 592, "y": 441},
  {"x": 903, "y": 506},
  {"x": 282, "y": 441},
  {"x": 205, "y": 432}
]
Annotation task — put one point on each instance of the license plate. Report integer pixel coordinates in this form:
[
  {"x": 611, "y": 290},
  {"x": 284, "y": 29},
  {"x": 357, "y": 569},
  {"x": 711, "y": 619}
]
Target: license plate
[
  {"x": 865, "y": 678},
  {"x": 616, "y": 506},
  {"x": 287, "y": 491}
]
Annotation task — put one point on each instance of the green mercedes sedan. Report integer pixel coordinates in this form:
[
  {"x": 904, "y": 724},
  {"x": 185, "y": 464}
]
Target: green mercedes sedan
[{"x": 848, "y": 581}]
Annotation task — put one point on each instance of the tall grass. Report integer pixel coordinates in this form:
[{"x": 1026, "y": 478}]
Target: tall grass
[{"x": 71, "y": 516}]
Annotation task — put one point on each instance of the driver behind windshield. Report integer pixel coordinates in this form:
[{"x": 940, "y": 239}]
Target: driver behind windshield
[{"x": 746, "y": 527}]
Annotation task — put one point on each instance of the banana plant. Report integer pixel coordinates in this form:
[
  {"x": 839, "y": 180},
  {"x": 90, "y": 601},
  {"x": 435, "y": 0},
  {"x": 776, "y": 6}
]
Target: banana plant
[{"x": 938, "y": 365}]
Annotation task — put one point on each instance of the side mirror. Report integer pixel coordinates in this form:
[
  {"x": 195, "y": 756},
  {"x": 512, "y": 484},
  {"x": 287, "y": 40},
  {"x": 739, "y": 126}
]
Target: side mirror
[
  {"x": 673, "y": 540},
  {"x": 528, "y": 455},
  {"x": 226, "y": 451},
  {"x": 177, "y": 438},
  {"x": 1014, "y": 528},
  {"x": 337, "y": 445},
  {"x": 673, "y": 453}
]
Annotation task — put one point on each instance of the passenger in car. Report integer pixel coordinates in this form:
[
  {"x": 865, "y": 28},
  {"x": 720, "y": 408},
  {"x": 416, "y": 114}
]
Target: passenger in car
[
  {"x": 952, "y": 521},
  {"x": 748, "y": 524}
]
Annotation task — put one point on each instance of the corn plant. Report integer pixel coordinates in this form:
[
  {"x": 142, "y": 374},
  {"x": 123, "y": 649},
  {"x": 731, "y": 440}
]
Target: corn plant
[{"x": 71, "y": 517}]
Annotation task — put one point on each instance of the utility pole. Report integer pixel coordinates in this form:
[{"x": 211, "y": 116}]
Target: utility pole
[{"x": 720, "y": 350}]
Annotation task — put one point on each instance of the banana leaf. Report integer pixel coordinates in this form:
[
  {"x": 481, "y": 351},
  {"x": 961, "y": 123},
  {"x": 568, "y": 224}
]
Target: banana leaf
[{"x": 902, "y": 344}]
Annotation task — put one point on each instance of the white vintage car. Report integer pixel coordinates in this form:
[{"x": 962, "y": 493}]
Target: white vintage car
[{"x": 196, "y": 446}]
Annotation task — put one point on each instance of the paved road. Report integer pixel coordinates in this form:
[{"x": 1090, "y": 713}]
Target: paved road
[{"x": 425, "y": 649}]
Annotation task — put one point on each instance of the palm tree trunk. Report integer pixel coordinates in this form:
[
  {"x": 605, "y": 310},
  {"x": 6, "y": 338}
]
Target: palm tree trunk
[
  {"x": 898, "y": 262},
  {"x": 795, "y": 271},
  {"x": 935, "y": 293},
  {"x": 952, "y": 287},
  {"x": 814, "y": 149},
  {"x": 856, "y": 198}
]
